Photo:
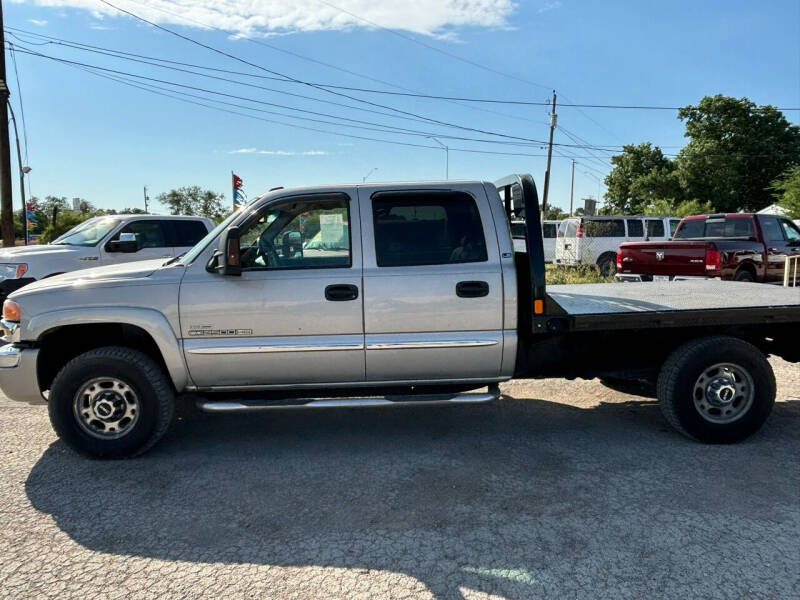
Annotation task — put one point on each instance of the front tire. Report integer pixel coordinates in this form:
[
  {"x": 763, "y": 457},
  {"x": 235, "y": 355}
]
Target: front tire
[
  {"x": 111, "y": 402},
  {"x": 717, "y": 389}
]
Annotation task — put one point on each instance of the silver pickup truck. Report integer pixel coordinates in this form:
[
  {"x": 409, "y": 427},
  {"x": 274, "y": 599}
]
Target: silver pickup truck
[{"x": 372, "y": 295}]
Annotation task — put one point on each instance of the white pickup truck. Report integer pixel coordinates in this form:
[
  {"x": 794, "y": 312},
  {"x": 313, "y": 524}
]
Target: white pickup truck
[
  {"x": 377, "y": 295},
  {"x": 99, "y": 241}
]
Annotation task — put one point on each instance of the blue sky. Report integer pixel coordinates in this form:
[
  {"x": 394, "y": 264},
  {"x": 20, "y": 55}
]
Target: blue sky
[{"x": 101, "y": 140}]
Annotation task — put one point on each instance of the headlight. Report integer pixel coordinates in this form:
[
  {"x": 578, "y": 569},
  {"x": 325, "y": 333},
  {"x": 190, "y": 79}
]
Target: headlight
[{"x": 12, "y": 270}]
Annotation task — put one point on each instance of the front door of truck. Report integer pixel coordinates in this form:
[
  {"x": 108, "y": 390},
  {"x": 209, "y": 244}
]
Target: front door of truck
[
  {"x": 433, "y": 295},
  {"x": 782, "y": 239},
  {"x": 294, "y": 317}
]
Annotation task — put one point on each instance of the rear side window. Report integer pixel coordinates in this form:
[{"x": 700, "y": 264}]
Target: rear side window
[
  {"x": 731, "y": 227},
  {"x": 655, "y": 227},
  {"x": 427, "y": 229},
  {"x": 149, "y": 233},
  {"x": 549, "y": 230},
  {"x": 635, "y": 228},
  {"x": 696, "y": 228},
  {"x": 604, "y": 228},
  {"x": 187, "y": 233},
  {"x": 518, "y": 230}
]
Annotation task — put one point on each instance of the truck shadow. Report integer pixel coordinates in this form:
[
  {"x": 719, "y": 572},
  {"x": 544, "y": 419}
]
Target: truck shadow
[{"x": 507, "y": 498}]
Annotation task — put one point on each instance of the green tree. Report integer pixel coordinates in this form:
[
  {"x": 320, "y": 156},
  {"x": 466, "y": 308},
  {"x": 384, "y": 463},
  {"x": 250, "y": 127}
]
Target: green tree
[
  {"x": 665, "y": 208},
  {"x": 192, "y": 200},
  {"x": 787, "y": 191},
  {"x": 554, "y": 213},
  {"x": 641, "y": 175},
  {"x": 735, "y": 151}
]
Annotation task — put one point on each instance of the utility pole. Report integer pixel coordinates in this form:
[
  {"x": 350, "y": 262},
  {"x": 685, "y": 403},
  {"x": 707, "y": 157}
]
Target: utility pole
[
  {"x": 6, "y": 202},
  {"x": 553, "y": 122},
  {"x": 572, "y": 188},
  {"x": 146, "y": 200},
  {"x": 23, "y": 170}
]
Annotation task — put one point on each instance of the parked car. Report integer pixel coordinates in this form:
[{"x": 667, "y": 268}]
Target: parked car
[
  {"x": 740, "y": 246},
  {"x": 594, "y": 240},
  {"x": 549, "y": 231},
  {"x": 101, "y": 241}
]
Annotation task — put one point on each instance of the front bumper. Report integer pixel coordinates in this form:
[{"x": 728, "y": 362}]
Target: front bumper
[
  {"x": 7, "y": 286},
  {"x": 18, "y": 379}
]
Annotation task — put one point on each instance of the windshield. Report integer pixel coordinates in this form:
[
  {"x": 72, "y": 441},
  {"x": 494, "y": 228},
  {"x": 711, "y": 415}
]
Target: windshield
[
  {"x": 201, "y": 245},
  {"x": 88, "y": 233}
]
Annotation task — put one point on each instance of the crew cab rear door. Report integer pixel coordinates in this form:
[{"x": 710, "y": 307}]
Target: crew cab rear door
[{"x": 433, "y": 295}]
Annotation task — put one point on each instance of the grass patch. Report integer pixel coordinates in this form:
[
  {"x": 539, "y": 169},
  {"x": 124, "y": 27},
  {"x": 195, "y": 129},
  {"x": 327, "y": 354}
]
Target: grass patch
[{"x": 559, "y": 274}]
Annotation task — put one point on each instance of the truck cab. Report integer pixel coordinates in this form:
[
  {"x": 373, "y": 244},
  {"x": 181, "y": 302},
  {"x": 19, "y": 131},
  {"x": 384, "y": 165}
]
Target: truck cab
[{"x": 100, "y": 241}]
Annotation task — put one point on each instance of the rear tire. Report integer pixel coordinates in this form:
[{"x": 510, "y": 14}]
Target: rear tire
[
  {"x": 717, "y": 389},
  {"x": 744, "y": 274},
  {"x": 607, "y": 264},
  {"x": 111, "y": 402}
]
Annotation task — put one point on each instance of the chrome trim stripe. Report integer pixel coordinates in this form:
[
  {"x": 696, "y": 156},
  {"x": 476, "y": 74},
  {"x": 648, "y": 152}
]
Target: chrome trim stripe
[
  {"x": 275, "y": 348},
  {"x": 405, "y": 345}
]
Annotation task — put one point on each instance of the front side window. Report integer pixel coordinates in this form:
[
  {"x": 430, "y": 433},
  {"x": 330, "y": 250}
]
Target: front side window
[
  {"x": 149, "y": 234},
  {"x": 88, "y": 233},
  {"x": 635, "y": 228},
  {"x": 771, "y": 228},
  {"x": 427, "y": 229},
  {"x": 604, "y": 228},
  {"x": 298, "y": 234},
  {"x": 790, "y": 230}
]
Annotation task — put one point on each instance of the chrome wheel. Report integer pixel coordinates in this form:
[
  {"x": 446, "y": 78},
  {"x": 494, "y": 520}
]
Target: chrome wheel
[
  {"x": 106, "y": 408},
  {"x": 723, "y": 393}
]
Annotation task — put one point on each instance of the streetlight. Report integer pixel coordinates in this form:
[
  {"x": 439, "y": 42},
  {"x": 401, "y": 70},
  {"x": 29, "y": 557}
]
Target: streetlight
[
  {"x": 364, "y": 179},
  {"x": 447, "y": 157},
  {"x": 23, "y": 170}
]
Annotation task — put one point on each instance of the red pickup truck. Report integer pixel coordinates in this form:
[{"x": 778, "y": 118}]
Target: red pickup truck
[{"x": 739, "y": 246}]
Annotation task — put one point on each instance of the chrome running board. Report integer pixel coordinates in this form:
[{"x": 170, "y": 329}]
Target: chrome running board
[{"x": 228, "y": 406}]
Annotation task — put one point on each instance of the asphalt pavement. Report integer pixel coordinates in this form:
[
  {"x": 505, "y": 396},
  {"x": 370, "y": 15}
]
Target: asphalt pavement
[{"x": 559, "y": 490}]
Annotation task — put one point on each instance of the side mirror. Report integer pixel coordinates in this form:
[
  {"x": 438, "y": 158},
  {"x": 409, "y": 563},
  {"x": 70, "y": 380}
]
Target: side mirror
[
  {"x": 126, "y": 243},
  {"x": 228, "y": 253}
]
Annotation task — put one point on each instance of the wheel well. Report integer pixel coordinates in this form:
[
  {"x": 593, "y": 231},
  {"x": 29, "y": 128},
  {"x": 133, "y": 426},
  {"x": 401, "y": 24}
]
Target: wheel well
[
  {"x": 750, "y": 267},
  {"x": 60, "y": 345},
  {"x": 606, "y": 255}
]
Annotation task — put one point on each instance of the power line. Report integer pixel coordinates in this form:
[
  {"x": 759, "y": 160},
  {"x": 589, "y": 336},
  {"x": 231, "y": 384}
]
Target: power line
[
  {"x": 435, "y": 49},
  {"x": 410, "y": 94},
  {"x": 395, "y": 129},
  {"x": 21, "y": 103},
  {"x": 294, "y": 79}
]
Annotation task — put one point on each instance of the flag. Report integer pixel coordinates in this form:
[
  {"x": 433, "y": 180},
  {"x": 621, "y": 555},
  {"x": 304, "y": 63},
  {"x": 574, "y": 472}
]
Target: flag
[{"x": 239, "y": 196}]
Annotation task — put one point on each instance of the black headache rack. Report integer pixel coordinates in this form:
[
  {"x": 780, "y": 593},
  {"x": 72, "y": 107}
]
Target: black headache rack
[{"x": 521, "y": 200}]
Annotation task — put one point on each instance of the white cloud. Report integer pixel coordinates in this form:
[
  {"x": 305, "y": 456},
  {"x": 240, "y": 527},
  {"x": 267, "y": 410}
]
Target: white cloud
[
  {"x": 38, "y": 22},
  {"x": 264, "y": 17},
  {"x": 280, "y": 152},
  {"x": 548, "y": 6}
]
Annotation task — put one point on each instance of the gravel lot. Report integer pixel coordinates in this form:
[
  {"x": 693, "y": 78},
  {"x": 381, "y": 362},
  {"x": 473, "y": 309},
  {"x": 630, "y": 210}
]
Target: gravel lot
[{"x": 584, "y": 492}]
